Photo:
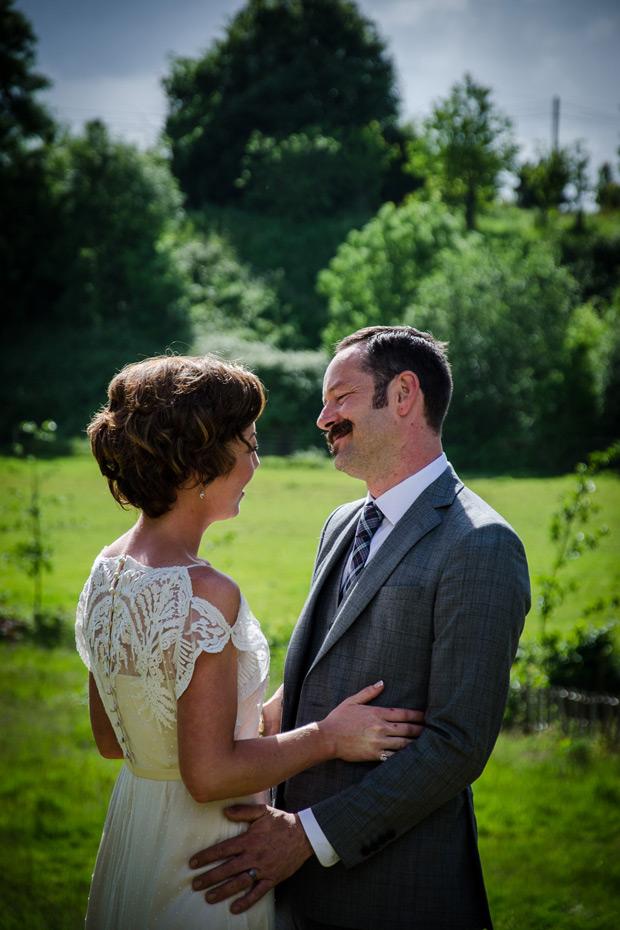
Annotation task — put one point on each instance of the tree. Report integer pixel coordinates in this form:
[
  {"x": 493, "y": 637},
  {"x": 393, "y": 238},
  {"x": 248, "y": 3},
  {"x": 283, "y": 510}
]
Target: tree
[
  {"x": 225, "y": 296},
  {"x": 32, "y": 554},
  {"x": 607, "y": 189},
  {"x": 309, "y": 174},
  {"x": 558, "y": 178},
  {"x": 283, "y": 67},
  {"x": 118, "y": 206},
  {"x": 530, "y": 364},
  {"x": 579, "y": 181},
  {"x": 542, "y": 184},
  {"x": 23, "y": 120},
  {"x": 28, "y": 216},
  {"x": 467, "y": 146},
  {"x": 376, "y": 272},
  {"x": 120, "y": 291}
]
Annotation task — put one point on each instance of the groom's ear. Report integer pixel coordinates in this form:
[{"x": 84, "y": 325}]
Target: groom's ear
[{"x": 405, "y": 392}]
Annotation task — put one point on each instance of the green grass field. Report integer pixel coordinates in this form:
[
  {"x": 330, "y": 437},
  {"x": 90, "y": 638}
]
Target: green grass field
[
  {"x": 548, "y": 808},
  {"x": 548, "y": 812},
  {"x": 270, "y": 547}
]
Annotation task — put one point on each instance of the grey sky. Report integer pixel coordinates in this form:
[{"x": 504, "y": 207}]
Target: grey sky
[{"x": 107, "y": 59}]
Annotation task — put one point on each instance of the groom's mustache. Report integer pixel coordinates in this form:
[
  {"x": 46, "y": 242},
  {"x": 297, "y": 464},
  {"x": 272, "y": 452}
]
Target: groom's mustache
[{"x": 337, "y": 430}]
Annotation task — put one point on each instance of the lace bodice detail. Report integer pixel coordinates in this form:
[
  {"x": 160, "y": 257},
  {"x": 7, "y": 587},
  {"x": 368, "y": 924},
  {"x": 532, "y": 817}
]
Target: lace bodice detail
[{"x": 139, "y": 630}]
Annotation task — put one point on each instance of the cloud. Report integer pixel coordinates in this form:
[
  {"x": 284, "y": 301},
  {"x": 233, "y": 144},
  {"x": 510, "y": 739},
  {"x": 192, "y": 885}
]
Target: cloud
[
  {"x": 603, "y": 29},
  {"x": 403, "y": 13},
  {"x": 132, "y": 107}
]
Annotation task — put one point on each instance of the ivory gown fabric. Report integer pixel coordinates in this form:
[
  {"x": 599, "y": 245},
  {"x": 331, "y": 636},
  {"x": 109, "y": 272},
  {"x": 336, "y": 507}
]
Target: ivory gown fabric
[{"x": 139, "y": 631}]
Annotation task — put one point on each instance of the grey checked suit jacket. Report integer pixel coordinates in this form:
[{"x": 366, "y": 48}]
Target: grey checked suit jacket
[{"x": 437, "y": 614}]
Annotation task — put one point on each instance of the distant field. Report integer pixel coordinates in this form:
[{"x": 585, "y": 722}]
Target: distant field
[{"x": 270, "y": 547}]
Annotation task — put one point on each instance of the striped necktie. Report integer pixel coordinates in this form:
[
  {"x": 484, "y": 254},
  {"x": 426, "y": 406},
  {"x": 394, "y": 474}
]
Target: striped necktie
[{"x": 367, "y": 525}]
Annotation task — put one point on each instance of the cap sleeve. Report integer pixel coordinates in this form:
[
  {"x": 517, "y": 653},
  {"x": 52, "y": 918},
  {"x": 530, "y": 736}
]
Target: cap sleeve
[{"x": 207, "y": 630}]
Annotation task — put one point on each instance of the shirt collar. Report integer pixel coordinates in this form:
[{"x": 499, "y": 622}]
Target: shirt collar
[{"x": 396, "y": 501}]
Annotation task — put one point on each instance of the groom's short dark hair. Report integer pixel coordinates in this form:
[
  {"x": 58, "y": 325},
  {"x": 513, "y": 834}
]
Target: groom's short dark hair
[{"x": 389, "y": 350}]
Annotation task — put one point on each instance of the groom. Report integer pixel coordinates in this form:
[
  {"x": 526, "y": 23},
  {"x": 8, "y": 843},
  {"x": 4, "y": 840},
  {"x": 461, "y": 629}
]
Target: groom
[{"x": 432, "y": 599}]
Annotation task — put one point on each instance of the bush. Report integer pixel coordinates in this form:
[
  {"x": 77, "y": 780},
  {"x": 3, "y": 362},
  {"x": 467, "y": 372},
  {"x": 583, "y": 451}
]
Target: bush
[
  {"x": 50, "y": 628},
  {"x": 308, "y": 173},
  {"x": 529, "y": 366},
  {"x": 375, "y": 275},
  {"x": 587, "y": 659}
]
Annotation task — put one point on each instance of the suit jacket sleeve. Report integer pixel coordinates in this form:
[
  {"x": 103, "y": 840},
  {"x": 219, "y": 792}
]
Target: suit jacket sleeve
[{"x": 479, "y": 601}]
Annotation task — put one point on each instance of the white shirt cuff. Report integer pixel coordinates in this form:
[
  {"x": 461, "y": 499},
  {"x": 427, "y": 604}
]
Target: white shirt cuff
[{"x": 323, "y": 849}]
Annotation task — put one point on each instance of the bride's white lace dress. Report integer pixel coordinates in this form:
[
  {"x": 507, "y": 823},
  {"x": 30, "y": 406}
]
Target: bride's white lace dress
[{"x": 140, "y": 630}]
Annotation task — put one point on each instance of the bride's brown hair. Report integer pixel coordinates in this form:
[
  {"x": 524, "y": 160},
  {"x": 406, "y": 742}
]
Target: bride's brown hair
[{"x": 170, "y": 421}]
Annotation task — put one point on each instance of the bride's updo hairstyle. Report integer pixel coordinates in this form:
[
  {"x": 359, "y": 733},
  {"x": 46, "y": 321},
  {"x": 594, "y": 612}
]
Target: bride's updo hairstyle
[{"x": 169, "y": 423}]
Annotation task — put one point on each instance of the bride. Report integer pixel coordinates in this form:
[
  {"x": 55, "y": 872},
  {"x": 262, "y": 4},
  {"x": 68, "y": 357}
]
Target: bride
[{"x": 178, "y": 665}]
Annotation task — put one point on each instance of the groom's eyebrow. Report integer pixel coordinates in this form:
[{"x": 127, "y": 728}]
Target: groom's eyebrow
[{"x": 338, "y": 386}]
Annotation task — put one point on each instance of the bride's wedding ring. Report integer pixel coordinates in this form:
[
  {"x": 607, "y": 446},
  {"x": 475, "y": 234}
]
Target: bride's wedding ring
[
  {"x": 253, "y": 876},
  {"x": 383, "y": 757}
]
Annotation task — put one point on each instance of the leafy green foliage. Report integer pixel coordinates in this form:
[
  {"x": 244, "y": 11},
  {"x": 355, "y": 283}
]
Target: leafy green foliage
[
  {"x": 587, "y": 658},
  {"x": 542, "y": 184},
  {"x": 285, "y": 255},
  {"x": 558, "y": 177},
  {"x": 607, "y": 189},
  {"x": 309, "y": 173},
  {"x": 32, "y": 553},
  {"x": 23, "y": 120},
  {"x": 467, "y": 145},
  {"x": 29, "y": 218},
  {"x": 594, "y": 261},
  {"x": 570, "y": 530},
  {"x": 297, "y": 104},
  {"x": 376, "y": 272},
  {"x": 119, "y": 290},
  {"x": 524, "y": 382},
  {"x": 225, "y": 295},
  {"x": 118, "y": 204},
  {"x": 284, "y": 67}
]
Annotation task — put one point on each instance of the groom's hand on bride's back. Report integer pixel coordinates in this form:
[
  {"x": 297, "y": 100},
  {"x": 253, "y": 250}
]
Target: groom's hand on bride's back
[{"x": 273, "y": 847}]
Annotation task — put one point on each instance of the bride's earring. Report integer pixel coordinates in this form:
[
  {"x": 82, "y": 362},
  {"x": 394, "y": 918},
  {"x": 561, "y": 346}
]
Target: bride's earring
[{"x": 202, "y": 494}]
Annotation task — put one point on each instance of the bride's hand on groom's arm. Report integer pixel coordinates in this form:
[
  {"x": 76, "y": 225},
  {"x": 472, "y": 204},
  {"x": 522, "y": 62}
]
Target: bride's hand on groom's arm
[{"x": 274, "y": 846}]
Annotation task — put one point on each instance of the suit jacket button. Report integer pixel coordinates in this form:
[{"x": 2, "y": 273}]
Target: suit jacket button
[{"x": 365, "y": 850}]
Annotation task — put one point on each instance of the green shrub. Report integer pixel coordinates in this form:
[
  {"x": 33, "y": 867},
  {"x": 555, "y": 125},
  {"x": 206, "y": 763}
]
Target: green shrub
[
  {"x": 586, "y": 659},
  {"x": 309, "y": 174}
]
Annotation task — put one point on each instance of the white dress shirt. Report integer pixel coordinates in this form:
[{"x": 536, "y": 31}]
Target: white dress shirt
[{"x": 393, "y": 504}]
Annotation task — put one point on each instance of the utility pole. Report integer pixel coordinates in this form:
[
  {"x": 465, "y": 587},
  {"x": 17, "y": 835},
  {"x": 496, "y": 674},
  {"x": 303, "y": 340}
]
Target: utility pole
[{"x": 555, "y": 123}]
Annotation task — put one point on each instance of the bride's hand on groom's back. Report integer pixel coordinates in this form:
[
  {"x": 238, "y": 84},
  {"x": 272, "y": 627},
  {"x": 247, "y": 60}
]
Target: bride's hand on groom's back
[{"x": 272, "y": 714}]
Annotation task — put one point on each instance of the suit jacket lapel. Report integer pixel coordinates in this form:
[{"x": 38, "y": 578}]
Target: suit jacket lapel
[
  {"x": 420, "y": 519},
  {"x": 302, "y": 632}
]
